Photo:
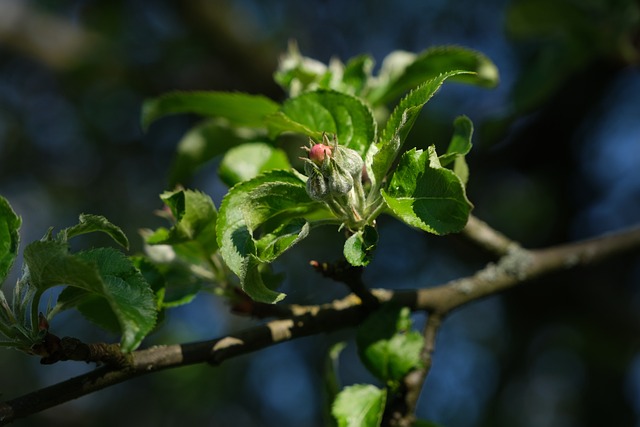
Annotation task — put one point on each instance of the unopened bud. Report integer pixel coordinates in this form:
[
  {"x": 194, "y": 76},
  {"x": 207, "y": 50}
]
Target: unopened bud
[
  {"x": 333, "y": 173},
  {"x": 339, "y": 179},
  {"x": 317, "y": 187},
  {"x": 351, "y": 161},
  {"x": 318, "y": 153}
]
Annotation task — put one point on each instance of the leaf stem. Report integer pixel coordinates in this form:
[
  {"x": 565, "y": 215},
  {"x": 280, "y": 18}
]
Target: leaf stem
[
  {"x": 324, "y": 222},
  {"x": 360, "y": 196},
  {"x": 375, "y": 208},
  {"x": 35, "y": 302}
]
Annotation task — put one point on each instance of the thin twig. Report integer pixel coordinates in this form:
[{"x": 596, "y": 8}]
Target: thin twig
[
  {"x": 350, "y": 276},
  {"x": 487, "y": 237},
  {"x": 415, "y": 380},
  {"x": 402, "y": 413},
  {"x": 53, "y": 349}
]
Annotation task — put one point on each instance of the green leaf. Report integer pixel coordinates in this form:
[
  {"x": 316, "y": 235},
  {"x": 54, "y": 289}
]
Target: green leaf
[
  {"x": 200, "y": 145},
  {"x": 400, "y": 123},
  {"x": 460, "y": 143},
  {"x": 273, "y": 243},
  {"x": 431, "y": 63},
  {"x": 128, "y": 294},
  {"x": 91, "y": 305},
  {"x": 104, "y": 273},
  {"x": 91, "y": 223},
  {"x": 313, "y": 113},
  {"x": 330, "y": 377},
  {"x": 427, "y": 196},
  {"x": 240, "y": 109},
  {"x": 359, "y": 247},
  {"x": 246, "y": 161},
  {"x": 279, "y": 122},
  {"x": 9, "y": 237},
  {"x": 50, "y": 264},
  {"x": 195, "y": 220},
  {"x": 125, "y": 297},
  {"x": 386, "y": 344},
  {"x": 151, "y": 273},
  {"x": 258, "y": 220},
  {"x": 357, "y": 73},
  {"x": 459, "y": 147},
  {"x": 297, "y": 73},
  {"x": 360, "y": 405},
  {"x": 461, "y": 169},
  {"x": 174, "y": 283}
]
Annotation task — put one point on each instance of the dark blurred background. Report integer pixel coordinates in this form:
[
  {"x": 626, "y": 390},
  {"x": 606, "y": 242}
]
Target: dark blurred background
[{"x": 555, "y": 159}]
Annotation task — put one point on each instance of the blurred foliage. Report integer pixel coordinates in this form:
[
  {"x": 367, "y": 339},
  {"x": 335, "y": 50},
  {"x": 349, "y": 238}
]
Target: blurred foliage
[
  {"x": 562, "y": 38},
  {"x": 560, "y": 353}
]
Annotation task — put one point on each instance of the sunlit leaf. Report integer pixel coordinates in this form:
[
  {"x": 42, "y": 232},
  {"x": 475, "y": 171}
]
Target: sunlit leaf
[
  {"x": 327, "y": 111},
  {"x": 249, "y": 160},
  {"x": 386, "y": 344},
  {"x": 400, "y": 123},
  {"x": 360, "y": 405},
  {"x": 100, "y": 273},
  {"x": 460, "y": 143},
  {"x": 459, "y": 147},
  {"x": 273, "y": 243},
  {"x": 359, "y": 247},
  {"x": 431, "y": 63},
  {"x": 195, "y": 220},
  {"x": 427, "y": 196},
  {"x": 258, "y": 220},
  {"x": 95, "y": 223},
  {"x": 239, "y": 108}
]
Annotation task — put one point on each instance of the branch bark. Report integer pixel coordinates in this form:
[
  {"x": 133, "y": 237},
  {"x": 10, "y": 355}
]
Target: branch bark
[
  {"x": 488, "y": 238},
  {"x": 517, "y": 266}
]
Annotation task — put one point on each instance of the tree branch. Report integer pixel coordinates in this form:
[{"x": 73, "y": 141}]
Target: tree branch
[
  {"x": 516, "y": 267},
  {"x": 486, "y": 237},
  {"x": 519, "y": 266},
  {"x": 350, "y": 276},
  {"x": 344, "y": 313}
]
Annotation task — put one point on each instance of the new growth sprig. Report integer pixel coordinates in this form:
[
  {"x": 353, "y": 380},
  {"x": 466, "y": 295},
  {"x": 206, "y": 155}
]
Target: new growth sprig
[
  {"x": 335, "y": 177},
  {"x": 352, "y": 172}
]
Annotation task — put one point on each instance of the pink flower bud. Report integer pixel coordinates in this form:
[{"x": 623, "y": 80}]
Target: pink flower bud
[{"x": 319, "y": 152}]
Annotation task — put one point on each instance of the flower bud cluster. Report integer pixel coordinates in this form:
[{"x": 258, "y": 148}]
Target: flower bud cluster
[{"x": 335, "y": 178}]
